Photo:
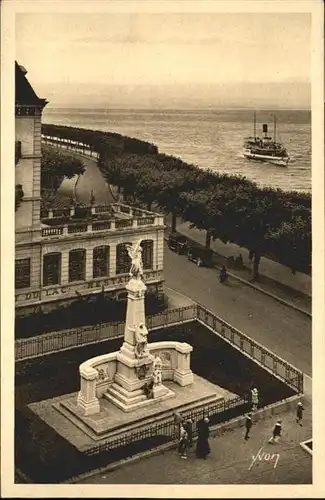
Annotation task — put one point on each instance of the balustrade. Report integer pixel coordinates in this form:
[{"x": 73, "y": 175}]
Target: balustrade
[
  {"x": 77, "y": 228},
  {"x": 52, "y": 231}
]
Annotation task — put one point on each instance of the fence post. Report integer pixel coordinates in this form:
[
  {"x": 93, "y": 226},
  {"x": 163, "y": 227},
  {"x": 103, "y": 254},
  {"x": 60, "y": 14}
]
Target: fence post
[
  {"x": 181, "y": 315},
  {"x": 301, "y": 383},
  {"x": 275, "y": 366},
  {"x": 99, "y": 331}
]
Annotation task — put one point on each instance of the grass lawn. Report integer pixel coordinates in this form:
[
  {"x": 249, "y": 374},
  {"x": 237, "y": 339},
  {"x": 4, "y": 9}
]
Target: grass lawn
[{"x": 46, "y": 457}]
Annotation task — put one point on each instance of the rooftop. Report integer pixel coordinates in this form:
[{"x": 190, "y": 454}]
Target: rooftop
[{"x": 25, "y": 94}]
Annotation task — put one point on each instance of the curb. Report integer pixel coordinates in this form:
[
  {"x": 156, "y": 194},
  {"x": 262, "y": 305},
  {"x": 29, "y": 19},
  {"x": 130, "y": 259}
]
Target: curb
[
  {"x": 275, "y": 297},
  {"x": 121, "y": 463}
]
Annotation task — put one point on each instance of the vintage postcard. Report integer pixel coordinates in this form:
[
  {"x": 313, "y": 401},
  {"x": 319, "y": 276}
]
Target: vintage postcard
[{"x": 163, "y": 249}]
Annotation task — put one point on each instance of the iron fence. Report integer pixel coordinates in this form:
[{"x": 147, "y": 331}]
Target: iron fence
[
  {"x": 68, "y": 339},
  {"x": 273, "y": 363},
  {"x": 167, "y": 431}
]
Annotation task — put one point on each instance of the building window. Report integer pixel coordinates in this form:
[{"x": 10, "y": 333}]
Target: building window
[
  {"x": 52, "y": 269},
  {"x": 147, "y": 254},
  {"x": 22, "y": 273},
  {"x": 77, "y": 265},
  {"x": 123, "y": 261},
  {"x": 100, "y": 262}
]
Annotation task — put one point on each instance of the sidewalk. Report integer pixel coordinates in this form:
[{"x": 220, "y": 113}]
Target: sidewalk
[
  {"x": 275, "y": 278},
  {"x": 177, "y": 299},
  {"x": 230, "y": 461}
]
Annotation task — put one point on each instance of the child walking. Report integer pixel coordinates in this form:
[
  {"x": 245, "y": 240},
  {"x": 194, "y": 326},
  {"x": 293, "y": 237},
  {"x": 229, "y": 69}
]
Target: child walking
[
  {"x": 276, "y": 434},
  {"x": 183, "y": 442}
]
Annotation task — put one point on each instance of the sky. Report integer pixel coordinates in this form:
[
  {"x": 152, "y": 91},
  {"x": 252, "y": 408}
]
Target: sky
[{"x": 141, "y": 59}]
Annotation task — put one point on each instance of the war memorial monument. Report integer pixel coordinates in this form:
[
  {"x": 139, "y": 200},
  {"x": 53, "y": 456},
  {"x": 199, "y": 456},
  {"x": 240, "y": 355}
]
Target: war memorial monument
[{"x": 132, "y": 389}]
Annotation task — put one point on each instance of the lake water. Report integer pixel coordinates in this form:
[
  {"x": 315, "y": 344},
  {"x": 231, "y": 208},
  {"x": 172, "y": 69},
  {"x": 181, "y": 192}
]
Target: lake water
[{"x": 209, "y": 139}]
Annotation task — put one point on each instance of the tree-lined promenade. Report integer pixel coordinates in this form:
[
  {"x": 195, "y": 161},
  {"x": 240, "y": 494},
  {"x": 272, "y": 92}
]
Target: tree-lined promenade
[{"x": 230, "y": 208}]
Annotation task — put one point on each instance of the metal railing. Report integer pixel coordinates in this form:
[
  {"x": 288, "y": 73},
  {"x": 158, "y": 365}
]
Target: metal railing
[
  {"x": 67, "y": 339},
  {"x": 166, "y": 431},
  {"x": 78, "y": 147},
  {"x": 273, "y": 363}
]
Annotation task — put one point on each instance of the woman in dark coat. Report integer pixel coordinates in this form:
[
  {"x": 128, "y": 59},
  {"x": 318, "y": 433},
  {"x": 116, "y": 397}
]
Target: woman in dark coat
[{"x": 202, "y": 445}]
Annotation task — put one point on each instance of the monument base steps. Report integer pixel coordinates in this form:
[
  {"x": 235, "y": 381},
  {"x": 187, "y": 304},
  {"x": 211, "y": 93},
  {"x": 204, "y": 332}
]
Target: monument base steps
[
  {"x": 130, "y": 401},
  {"x": 101, "y": 433}
]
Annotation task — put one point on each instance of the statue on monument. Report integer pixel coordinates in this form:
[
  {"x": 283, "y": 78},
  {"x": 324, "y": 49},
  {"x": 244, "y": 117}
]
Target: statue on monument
[
  {"x": 141, "y": 339},
  {"x": 157, "y": 369},
  {"x": 135, "y": 253}
]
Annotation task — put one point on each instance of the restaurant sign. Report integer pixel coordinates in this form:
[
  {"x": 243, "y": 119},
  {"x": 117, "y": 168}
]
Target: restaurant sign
[{"x": 72, "y": 290}]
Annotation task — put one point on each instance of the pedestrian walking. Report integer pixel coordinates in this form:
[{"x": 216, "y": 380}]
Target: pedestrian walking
[
  {"x": 183, "y": 442},
  {"x": 178, "y": 419},
  {"x": 188, "y": 426},
  {"x": 202, "y": 445},
  {"x": 223, "y": 274},
  {"x": 276, "y": 434},
  {"x": 255, "y": 398},
  {"x": 248, "y": 425},
  {"x": 299, "y": 413}
]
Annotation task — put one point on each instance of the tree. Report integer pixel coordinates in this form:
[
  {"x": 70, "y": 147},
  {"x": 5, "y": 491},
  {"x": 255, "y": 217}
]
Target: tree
[
  {"x": 264, "y": 220},
  {"x": 200, "y": 212},
  {"x": 291, "y": 244},
  {"x": 56, "y": 166}
]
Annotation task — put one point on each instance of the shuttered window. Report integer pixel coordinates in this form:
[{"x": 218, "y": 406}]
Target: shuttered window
[
  {"x": 22, "y": 273},
  {"x": 51, "y": 269},
  {"x": 147, "y": 254},
  {"x": 123, "y": 261},
  {"x": 100, "y": 261},
  {"x": 77, "y": 265}
]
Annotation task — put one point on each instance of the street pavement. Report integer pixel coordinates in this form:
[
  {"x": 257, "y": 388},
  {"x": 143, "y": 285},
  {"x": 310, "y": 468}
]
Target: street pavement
[
  {"x": 280, "y": 328},
  {"x": 230, "y": 461},
  {"x": 281, "y": 274},
  {"x": 91, "y": 180}
]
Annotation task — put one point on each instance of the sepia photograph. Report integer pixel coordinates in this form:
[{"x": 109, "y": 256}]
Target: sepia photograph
[{"x": 164, "y": 279}]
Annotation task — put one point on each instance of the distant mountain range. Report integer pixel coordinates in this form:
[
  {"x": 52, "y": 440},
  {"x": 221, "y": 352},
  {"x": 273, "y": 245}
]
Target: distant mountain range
[{"x": 266, "y": 95}]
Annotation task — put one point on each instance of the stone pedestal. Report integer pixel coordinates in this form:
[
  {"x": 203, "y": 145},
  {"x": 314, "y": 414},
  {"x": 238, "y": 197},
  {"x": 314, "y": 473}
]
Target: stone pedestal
[
  {"x": 159, "y": 391},
  {"x": 134, "y": 368},
  {"x": 183, "y": 375},
  {"x": 132, "y": 371},
  {"x": 87, "y": 400}
]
